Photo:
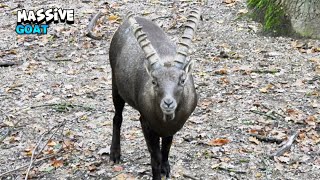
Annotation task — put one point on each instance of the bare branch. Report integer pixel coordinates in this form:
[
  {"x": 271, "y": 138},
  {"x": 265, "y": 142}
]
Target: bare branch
[
  {"x": 23, "y": 166},
  {"x": 189, "y": 176},
  {"x": 267, "y": 139},
  {"x": 38, "y": 144},
  {"x": 287, "y": 145},
  {"x": 91, "y": 25},
  {"x": 33, "y": 152},
  {"x": 264, "y": 114}
]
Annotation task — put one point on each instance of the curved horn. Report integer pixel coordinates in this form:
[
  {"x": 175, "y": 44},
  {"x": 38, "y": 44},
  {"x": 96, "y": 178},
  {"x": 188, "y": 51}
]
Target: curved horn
[
  {"x": 186, "y": 38},
  {"x": 143, "y": 41}
]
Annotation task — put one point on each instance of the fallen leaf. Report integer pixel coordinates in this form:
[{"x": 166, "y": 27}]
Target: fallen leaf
[
  {"x": 266, "y": 88},
  {"x": 224, "y": 80},
  {"x": 45, "y": 167},
  {"x": 215, "y": 166},
  {"x": 243, "y": 11},
  {"x": 117, "y": 168},
  {"x": 297, "y": 44},
  {"x": 205, "y": 103},
  {"x": 57, "y": 163},
  {"x": 3, "y": 5},
  {"x": 315, "y": 60},
  {"x": 292, "y": 112},
  {"x": 92, "y": 167},
  {"x": 51, "y": 143},
  {"x": 221, "y": 71},
  {"x": 220, "y": 21},
  {"x": 254, "y": 140},
  {"x": 67, "y": 144},
  {"x": 28, "y": 152},
  {"x": 229, "y": 1},
  {"x": 123, "y": 176},
  {"x": 311, "y": 120},
  {"x": 258, "y": 175},
  {"x": 48, "y": 151},
  {"x": 8, "y": 123},
  {"x": 218, "y": 142},
  {"x": 113, "y": 18},
  {"x": 283, "y": 159},
  {"x": 253, "y": 131}
]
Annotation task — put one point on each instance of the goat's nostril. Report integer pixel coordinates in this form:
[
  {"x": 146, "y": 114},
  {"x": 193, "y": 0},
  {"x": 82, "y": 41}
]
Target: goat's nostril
[{"x": 168, "y": 102}]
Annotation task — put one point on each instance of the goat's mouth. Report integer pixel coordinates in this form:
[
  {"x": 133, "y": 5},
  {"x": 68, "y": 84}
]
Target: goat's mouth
[{"x": 168, "y": 115}]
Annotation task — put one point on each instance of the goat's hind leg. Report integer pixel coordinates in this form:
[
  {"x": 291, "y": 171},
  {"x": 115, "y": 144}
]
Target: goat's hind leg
[{"x": 118, "y": 102}]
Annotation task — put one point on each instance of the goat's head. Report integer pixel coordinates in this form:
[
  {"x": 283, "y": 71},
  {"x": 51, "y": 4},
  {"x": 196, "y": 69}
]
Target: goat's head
[{"x": 167, "y": 85}]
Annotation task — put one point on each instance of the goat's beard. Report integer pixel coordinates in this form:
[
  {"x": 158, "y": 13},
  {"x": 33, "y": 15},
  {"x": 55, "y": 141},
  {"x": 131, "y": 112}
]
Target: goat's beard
[{"x": 168, "y": 117}]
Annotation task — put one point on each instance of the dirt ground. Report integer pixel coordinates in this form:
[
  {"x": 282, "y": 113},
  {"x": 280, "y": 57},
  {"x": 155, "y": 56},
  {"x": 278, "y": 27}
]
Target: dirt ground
[{"x": 255, "y": 91}]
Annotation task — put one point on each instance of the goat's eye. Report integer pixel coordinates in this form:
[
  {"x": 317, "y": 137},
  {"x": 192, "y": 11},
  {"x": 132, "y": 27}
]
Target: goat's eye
[
  {"x": 182, "y": 81},
  {"x": 154, "y": 82}
]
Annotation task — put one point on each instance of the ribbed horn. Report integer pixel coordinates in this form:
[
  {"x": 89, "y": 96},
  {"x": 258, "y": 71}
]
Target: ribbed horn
[
  {"x": 143, "y": 41},
  {"x": 185, "y": 40}
]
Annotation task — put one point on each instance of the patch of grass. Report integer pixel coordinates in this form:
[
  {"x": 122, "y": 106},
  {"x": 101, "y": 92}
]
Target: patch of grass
[
  {"x": 272, "y": 16},
  {"x": 247, "y": 122}
]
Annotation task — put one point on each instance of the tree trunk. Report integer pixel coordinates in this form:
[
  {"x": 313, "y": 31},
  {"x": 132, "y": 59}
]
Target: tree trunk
[
  {"x": 304, "y": 16},
  {"x": 285, "y": 16}
]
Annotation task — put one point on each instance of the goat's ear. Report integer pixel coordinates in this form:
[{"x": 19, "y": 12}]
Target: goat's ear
[
  {"x": 148, "y": 67},
  {"x": 188, "y": 67}
]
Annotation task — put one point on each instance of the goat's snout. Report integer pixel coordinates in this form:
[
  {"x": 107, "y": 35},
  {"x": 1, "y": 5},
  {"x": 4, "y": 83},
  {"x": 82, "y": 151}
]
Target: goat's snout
[
  {"x": 168, "y": 105},
  {"x": 168, "y": 102}
]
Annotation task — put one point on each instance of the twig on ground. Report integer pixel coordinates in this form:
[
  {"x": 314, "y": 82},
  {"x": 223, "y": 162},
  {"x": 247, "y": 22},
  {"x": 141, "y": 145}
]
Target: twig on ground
[
  {"x": 18, "y": 6},
  {"x": 286, "y": 145},
  {"x": 265, "y": 71},
  {"x": 162, "y": 17},
  {"x": 267, "y": 139},
  {"x": 223, "y": 166},
  {"x": 33, "y": 153},
  {"x": 189, "y": 176},
  {"x": 38, "y": 144},
  {"x": 26, "y": 165},
  {"x": 264, "y": 114},
  {"x": 91, "y": 25},
  {"x": 272, "y": 111},
  {"x": 62, "y": 106},
  {"x": 232, "y": 170},
  {"x": 7, "y": 64},
  {"x": 58, "y": 59}
]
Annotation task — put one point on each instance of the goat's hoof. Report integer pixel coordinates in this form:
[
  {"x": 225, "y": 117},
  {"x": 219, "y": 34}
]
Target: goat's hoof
[
  {"x": 115, "y": 156},
  {"x": 165, "y": 169}
]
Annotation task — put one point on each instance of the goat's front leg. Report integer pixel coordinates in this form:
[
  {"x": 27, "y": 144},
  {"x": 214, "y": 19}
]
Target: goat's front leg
[
  {"x": 165, "y": 148},
  {"x": 153, "y": 143},
  {"x": 118, "y": 102}
]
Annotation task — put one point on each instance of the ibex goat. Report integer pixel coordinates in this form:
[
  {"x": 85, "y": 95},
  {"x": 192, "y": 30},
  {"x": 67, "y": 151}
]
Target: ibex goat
[{"x": 154, "y": 77}]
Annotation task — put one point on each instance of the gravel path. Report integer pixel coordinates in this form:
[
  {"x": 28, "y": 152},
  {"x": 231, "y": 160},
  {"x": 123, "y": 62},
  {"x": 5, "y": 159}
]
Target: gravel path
[{"x": 247, "y": 83}]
